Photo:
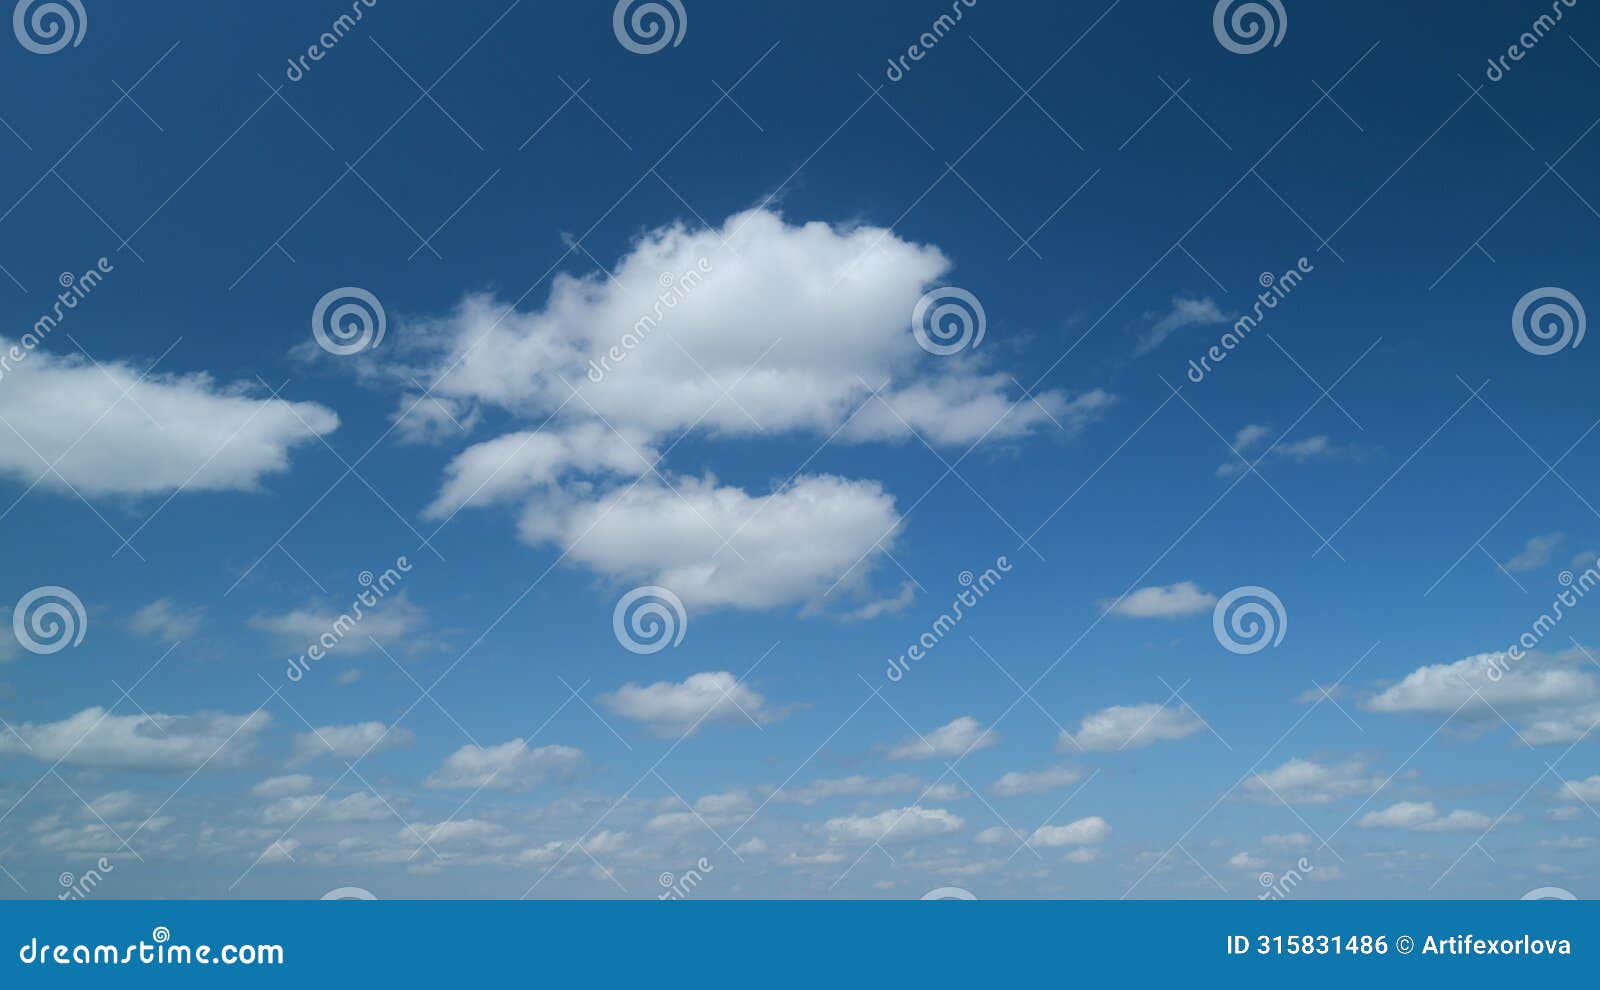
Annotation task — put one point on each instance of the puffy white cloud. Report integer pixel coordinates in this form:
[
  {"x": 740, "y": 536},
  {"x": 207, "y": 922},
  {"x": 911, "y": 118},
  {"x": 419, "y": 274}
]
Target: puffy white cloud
[
  {"x": 1170, "y": 602},
  {"x": 1306, "y": 782},
  {"x": 1551, "y": 699},
  {"x": 895, "y": 825},
  {"x": 757, "y": 328},
  {"x": 798, "y": 304},
  {"x": 952, "y": 739},
  {"x": 167, "y": 620},
  {"x": 1245, "y": 861},
  {"x": 788, "y": 546},
  {"x": 669, "y": 708},
  {"x": 510, "y": 466},
  {"x": 95, "y": 738},
  {"x": 1017, "y": 782},
  {"x": 1422, "y": 816},
  {"x": 1132, "y": 726},
  {"x": 168, "y": 432},
  {"x": 509, "y": 765},
  {"x": 349, "y": 742},
  {"x": 1083, "y": 832}
]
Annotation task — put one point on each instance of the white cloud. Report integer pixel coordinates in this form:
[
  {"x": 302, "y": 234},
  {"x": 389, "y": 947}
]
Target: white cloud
[
  {"x": 1422, "y": 816},
  {"x": 509, "y": 765},
  {"x": 1580, "y": 790},
  {"x": 949, "y": 740},
  {"x": 166, "y": 620},
  {"x": 349, "y": 742},
  {"x": 508, "y": 467},
  {"x": 726, "y": 803},
  {"x": 669, "y": 708},
  {"x": 1017, "y": 782},
  {"x": 1536, "y": 553},
  {"x": 95, "y": 738},
  {"x": 895, "y": 825},
  {"x": 1314, "y": 448},
  {"x": 168, "y": 432},
  {"x": 285, "y": 786},
  {"x": 996, "y": 835},
  {"x": 1245, "y": 861},
  {"x": 1170, "y": 602},
  {"x": 1083, "y": 854},
  {"x": 1306, "y": 782},
  {"x": 1083, "y": 832},
  {"x": 394, "y": 620},
  {"x": 1292, "y": 840},
  {"x": 786, "y": 547},
  {"x": 1551, "y": 699},
  {"x": 796, "y": 303},
  {"x": 1184, "y": 313},
  {"x": 360, "y": 806},
  {"x": 757, "y": 329},
  {"x": 1132, "y": 726},
  {"x": 1251, "y": 436},
  {"x": 856, "y": 785},
  {"x": 281, "y": 851}
]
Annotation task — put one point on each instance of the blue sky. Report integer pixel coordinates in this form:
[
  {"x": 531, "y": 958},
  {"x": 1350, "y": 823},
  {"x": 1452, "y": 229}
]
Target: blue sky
[{"x": 516, "y": 189}]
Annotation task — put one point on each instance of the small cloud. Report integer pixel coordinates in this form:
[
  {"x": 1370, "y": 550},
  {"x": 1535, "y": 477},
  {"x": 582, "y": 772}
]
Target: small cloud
[
  {"x": 1422, "y": 816},
  {"x": 1536, "y": 553},
  {"x": 1162, "y": 602},
  {"x": 1131, "y": 726},
  {"x": 285, "y": 786},
  {"x": 1017, "y": 783},
  {"x": 510, "y": 765},
  {"x": 166, "y": 620},
  {"x": 955, "y": 738},
  {"x": 1184, "y": 313},
  {"x": 1083, "y": 832},
  {"x": 348, "y": 742},
  {"x": 673, "y": 708},
  {"x": 885, "y": 606},
  {"x": 1314, "y": 448}
]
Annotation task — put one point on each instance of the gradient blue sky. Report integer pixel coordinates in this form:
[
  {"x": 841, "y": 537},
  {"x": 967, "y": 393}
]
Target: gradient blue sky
[{"x": 1112, "y": 231}]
